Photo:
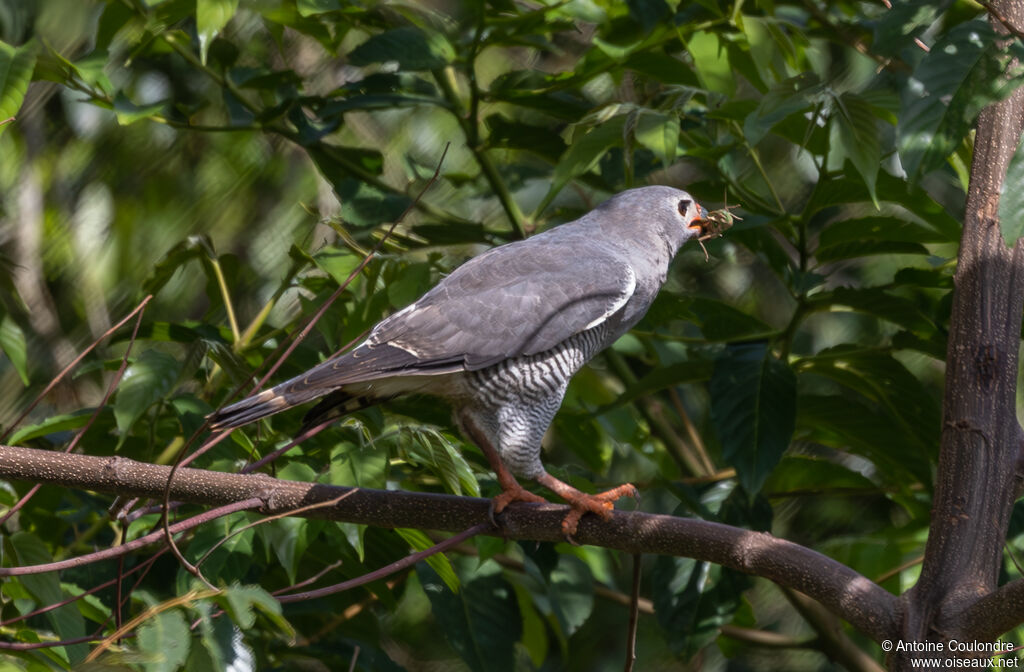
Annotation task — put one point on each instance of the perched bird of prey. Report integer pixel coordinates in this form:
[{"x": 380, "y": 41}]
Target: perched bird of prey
[{"x": 500, "y": 337}]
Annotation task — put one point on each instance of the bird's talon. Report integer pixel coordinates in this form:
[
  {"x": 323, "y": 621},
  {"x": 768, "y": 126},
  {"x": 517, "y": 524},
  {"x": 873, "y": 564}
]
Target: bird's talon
[{"x": 490, "y": 515}]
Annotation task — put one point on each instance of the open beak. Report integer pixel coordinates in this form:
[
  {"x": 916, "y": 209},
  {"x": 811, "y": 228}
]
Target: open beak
[{"x": 700, "y": 220}]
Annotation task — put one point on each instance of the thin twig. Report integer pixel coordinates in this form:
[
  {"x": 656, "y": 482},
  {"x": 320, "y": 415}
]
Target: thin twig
[
  {"x": 634, "y": 614},
  {"x": 69, "y": 367},
  {"x": 276, "y": 516},
  {"x": 110, "y": 553},
  {"x": 407, "y": 561}
]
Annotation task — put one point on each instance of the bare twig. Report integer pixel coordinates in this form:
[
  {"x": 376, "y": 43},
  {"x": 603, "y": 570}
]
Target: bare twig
[
  {"x": 117, "y": 551},
  {"x": 634, "y": 614},
  {"x": 398, "y": 565}
]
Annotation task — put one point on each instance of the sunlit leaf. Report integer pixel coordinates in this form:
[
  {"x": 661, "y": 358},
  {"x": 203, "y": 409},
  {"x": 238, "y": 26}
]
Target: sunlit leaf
[
  {"x": 419, "y": 541},
  {"x": 165, "y": 635},
  {"x": 243, "y": 602},
  {"x": 660, "y": 134},
  {"x": 711, "y": 59},
  {"x": 16, "y": 65},
  {"x": 12, "y": 343},
  {"x": 962, "y": 73},
  {"x": 211, "y": 17},
  {"x": 128, "y": 112}
]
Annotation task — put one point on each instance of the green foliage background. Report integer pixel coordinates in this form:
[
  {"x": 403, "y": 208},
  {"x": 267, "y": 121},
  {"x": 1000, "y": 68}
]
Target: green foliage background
[{"x": 237, "y": 160}]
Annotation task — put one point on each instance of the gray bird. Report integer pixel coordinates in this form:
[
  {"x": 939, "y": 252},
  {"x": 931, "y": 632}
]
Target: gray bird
[{"x": 500, "y": 337}]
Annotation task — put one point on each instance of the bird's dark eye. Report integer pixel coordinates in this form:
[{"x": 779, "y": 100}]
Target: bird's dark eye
[{"x": 684, "y": 205}]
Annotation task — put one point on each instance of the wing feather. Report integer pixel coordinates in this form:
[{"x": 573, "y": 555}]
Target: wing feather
[{"x": 514, "y": 300}]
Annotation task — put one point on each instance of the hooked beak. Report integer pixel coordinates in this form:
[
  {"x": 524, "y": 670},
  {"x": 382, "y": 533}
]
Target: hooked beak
[{"x": 699, "y": 221}]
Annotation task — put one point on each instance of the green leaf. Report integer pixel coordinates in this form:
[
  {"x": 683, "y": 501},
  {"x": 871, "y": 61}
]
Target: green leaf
[
  {"x": 211, "y": 17},
  {"x": 887, "y": 229},
  {"x": 694, "y": 600},
  {"x": 660, "y": 134},
  {"x": 849, "y": 424},
  {"x": 721, "y": 322},
  {"x": 786, "y": 98},
  {"x": 128, "y": 113},
  {"x": 149, "y": 378},
  {"x": 411, "y": 283},
  {"x": 439, "y": 562},
  {"x": 571, "y": 590},
  {"x": 191, "y": 248},
  {"x": 858, "y": 137},
  {"x": 313, "y": 7},
  {"x": 885, "y": 381},
  {"x": 217, "y": 639},
  {"x": 166, "y": 638},
  {"x": 242, "y": 602},
  {"x": 866, "y": 248},
  {"x": 965, "y": 71},
  {"x": 845, "y": 189},
  {"x": 584, "y": 153},
  {"x": 878, "y": 302},
  {"x": 691, "y": 371},
  {"x": 711, "y": 60},
  {"x": 337, "y": 262},
  {"x": 806, "y": 474},
  {"x": 902, "y": 22},
  {"x": 16, "y": 66},
  {"x": 58, "y": 423},
  {"x": 753, "y": 409},
  {"x": 413, "y": 48},
  {"x": 358, "y": 466},
  {"x": 443, "y": 458},
  {"x": 12, "y": 342},
  {"x": 482, "y": 621},
  {"x": 1011, "y": 199},
  {"x": 45, "y": 589},
  {"x": 503, "y": 132}
]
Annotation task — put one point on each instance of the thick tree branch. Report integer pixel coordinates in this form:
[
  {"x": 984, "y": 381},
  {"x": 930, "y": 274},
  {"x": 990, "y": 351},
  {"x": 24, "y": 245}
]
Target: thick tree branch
[
  {"x": 996, "y": 613},
  {"x": 866, "y": 605}
]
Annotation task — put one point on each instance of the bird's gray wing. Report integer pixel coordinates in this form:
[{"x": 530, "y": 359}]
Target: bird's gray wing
[
  {"x": 515, "y": 300},
  {"x": 518, "y": 299}
]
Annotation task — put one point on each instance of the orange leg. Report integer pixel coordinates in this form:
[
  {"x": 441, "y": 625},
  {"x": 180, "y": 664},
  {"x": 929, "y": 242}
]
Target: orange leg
[
  {"x": 511, "y": 491},
  {"x": 579, "y": 502}
]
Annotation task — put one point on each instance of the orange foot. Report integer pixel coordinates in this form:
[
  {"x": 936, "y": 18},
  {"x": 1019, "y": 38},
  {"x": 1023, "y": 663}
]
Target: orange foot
[
  {"x": 580, "y": 502},
  {"x": 512, "y": 492}
]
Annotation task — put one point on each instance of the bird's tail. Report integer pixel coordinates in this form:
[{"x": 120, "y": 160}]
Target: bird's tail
[{"x": 261, "y": 405}]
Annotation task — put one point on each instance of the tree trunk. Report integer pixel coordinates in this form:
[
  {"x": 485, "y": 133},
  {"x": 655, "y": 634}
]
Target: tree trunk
[{"x": 978, "y": 477}]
